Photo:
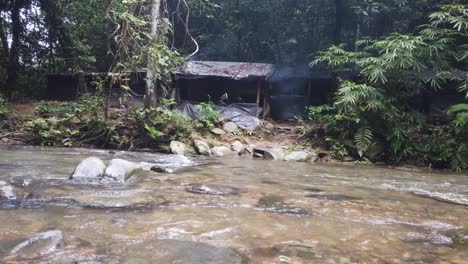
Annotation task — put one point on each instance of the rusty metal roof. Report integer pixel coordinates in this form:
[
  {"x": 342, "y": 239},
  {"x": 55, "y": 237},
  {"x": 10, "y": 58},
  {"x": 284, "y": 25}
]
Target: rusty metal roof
[{"x": 220, "y": 69}]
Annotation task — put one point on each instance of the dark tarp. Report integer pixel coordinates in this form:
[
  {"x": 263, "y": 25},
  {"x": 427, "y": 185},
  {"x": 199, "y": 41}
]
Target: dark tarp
[
  {"x": 244, "y": 115},
  {"x": 228, "y": 70}
]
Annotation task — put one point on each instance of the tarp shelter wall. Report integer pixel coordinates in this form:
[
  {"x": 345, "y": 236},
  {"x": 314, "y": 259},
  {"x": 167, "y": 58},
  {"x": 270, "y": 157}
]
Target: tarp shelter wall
[{"x": 201, "y": 81}]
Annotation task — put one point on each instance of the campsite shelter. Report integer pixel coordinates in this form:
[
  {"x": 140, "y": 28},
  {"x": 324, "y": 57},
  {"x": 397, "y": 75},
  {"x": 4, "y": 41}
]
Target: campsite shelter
[
  {"x": 202, "y": 81},
  {"x": 293, "y": 88}
]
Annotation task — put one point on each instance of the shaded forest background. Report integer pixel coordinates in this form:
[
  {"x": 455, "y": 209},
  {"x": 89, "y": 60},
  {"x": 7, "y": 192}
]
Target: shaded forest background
[{"x": 43, "y": 36}]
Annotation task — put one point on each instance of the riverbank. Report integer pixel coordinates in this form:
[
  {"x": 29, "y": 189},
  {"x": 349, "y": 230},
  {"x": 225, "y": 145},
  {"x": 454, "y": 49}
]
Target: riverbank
[{"x": 81, "y": 124}]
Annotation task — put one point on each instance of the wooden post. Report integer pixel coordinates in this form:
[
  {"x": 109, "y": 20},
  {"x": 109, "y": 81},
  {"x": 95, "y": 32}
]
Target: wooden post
[
  {"x": 266, "y": 106},
  {"x": 259, "y": 84}
]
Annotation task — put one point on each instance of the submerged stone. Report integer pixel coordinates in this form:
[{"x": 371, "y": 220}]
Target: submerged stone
[
  {"x": 6, "y": 192},
  {"x": 332, "y": 197},
  {"x": 212, "y": 189},
  {"x": 289, "y": 249},
  {"x": 117, "y": 199},
  {"x": 271, "y": 182},
  {"x": 183, "y": 252},
  {"x": 37, "y": 245},
  {"x": 313, "y": 190},
  {"x": 161, "y": 169},
  {"x": 89, "y": 168},
  {"x": 276, "y": 204},
  {"x": 458, "y": 236},
  {"x": 121, "y": 170}
]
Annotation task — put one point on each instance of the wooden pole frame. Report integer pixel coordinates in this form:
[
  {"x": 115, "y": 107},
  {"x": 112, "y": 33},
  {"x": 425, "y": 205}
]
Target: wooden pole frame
[{"x": 259, "y": 90}]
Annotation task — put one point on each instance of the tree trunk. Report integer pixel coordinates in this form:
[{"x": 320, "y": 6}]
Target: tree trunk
[
  {"x": 58, "y": 31},
  {"x": 358, "y": 32},
  {"x": 151, "y": 96},
  {"x": 13, "y": 60},
  {"x": 339, "y": 12},
  {"x": 4, "y": 38},
  {"x": 4, "y": 53}
]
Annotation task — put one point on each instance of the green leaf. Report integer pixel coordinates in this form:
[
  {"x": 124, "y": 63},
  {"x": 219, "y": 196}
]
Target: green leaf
[{"x": 153, "y": 132}]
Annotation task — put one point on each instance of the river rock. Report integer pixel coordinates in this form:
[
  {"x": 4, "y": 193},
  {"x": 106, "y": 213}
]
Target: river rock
[
  {"x": 177, "y": 251},
  {"x": 222, "y": 151},
  {"x": 178, "y": 148},
  {"x": 89, "y": 168},
  {"x": 146, "y": 166},
  {"x": 238, "y": 147},
  {"x": 269, "y": 153},
  {"x": 121, "y": 170},
  {"x": 6, "y": 192},
  {"x": 120, "y": 198},
  {"x": 332, "y": 197},
  {"x": 298, "y": 156},
  {"x": 458, "y": 236},
  {"x": 218, "y": 131},
  {"x": 37, "y": 245},
  {"x": 162, "y": 169},
  {"x": 250, "y": 149},
  {"x": 230, "y": 127},
  {"x": 212, "y": 189},
  {"x": 276, "y": 204},
  {"x": 268, "y": 126},
  {"x": 202, "y": 147}
]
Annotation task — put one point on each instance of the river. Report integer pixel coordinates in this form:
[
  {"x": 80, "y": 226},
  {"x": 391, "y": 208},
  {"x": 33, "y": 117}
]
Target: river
[{"x": 235, "y": 210}]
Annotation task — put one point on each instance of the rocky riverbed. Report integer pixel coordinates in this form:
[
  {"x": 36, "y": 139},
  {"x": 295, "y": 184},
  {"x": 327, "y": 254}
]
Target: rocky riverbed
[{"x": 124, "y": 207}]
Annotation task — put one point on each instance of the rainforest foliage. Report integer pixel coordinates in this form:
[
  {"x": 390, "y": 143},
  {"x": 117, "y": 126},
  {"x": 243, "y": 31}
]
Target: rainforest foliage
[{"x": 385, "y": 52}]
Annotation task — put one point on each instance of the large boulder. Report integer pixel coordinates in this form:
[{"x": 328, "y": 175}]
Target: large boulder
[
  {"x": 121, "y": 170},
  {"x": 6, "y": 192},
  {"x": 223, "y": 151},
  {"x": 298, "y": 156},
  {"x": 89, "y": 168},
  {"x": 230, "y": 127},
  {"x": 202, "y": 147},
  {"x": 238, "y": 147},
  {"x": 178, "y": 148},
  {"x": 269, "y": 153}
]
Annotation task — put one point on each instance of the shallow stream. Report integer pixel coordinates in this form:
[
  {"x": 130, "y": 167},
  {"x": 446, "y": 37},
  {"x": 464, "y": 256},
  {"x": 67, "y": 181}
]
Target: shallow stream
[{"x": 235, "y": 210}]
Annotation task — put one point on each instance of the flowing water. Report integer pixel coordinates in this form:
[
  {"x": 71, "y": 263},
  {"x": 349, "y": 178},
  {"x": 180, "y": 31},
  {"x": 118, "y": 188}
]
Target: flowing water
[{"x": 235, "y": 210}]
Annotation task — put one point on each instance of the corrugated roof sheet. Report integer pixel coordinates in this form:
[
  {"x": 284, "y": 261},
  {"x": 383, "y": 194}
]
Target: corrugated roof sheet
[{"x": 230, "y": 70}]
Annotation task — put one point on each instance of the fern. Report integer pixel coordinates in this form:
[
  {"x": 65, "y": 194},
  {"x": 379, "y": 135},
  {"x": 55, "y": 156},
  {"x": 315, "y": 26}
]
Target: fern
[
  {"x": 363, "y": 140},
  {"x": 457, "y": 108},
  {"x": 153, "y": 132},
  {"x": 461, "y": 111}
]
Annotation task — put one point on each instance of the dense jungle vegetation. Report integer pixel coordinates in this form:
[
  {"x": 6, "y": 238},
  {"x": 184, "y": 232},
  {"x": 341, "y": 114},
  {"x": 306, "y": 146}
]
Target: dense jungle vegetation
[{"x": 387, "y": 53}]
